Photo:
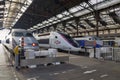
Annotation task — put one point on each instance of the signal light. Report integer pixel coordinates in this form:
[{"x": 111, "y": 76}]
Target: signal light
[{"x": 22, "y": 41}]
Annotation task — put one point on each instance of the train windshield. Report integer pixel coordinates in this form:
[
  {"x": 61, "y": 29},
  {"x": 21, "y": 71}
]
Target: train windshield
[
  {"x": 28, "y": 35},
  {"x": 70, "y": 39},
  {"x": 19, "y": 34}
]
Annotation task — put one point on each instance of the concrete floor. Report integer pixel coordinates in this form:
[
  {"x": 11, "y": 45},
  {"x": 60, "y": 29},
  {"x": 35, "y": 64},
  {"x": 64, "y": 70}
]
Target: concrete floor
[
  {"x": 6, "y": 70},
  {"x": 78, "y": 68}
]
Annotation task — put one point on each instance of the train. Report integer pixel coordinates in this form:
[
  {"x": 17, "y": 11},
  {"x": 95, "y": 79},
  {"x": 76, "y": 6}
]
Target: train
[
  {"x": 89, "y": 41},
  {"x": 57, "y": 40},
  {"x": 13, "y": 38}
]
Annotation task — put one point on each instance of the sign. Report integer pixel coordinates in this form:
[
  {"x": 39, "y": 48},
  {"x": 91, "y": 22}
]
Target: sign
[{"x": 57, "y": 42}]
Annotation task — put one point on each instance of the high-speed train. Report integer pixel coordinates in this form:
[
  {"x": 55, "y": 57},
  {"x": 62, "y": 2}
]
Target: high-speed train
[
  {"x": 89, "y": 41},
  {"x": 57, "y": 40},
  {"x": 14, "y": 38}
]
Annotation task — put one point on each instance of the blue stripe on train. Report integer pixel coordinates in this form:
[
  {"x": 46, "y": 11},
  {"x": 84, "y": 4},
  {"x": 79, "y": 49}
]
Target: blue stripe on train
[{"x": 82, "y": 44}]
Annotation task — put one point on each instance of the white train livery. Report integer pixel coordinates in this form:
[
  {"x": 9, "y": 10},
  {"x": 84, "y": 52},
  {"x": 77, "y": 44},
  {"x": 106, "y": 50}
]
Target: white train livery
[
  {"x": 57, "y": 40},
  {"x": 14, "y": 37}
]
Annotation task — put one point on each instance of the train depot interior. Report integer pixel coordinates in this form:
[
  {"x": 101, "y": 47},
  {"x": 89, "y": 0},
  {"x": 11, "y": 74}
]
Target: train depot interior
[{"x": 59, "y": 39}]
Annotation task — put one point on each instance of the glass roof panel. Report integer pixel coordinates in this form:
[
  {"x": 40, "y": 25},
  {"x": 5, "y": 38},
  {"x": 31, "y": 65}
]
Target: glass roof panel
[
  {"x": 59, "y": 15},
  {"x": 50, "y": 20},
  {"x": 66, "y": 13},
  {"x": 78, "y": 9},
  {"x": 39, "y": 24},
  {"x": 35, "y": 26},
  {"x": 13, "y": 8},
  {"x": 72, "y": 10},
  {"x": 95, "y": 1}
]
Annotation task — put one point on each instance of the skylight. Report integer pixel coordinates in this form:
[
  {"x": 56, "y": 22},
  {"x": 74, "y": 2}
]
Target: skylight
[{"x": 14, "y": 9}]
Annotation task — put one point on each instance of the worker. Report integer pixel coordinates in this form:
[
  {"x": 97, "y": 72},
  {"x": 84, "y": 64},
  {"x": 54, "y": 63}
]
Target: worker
[
  {"x": 16, "y": 50},
  {"x": 17, "y": 57}
]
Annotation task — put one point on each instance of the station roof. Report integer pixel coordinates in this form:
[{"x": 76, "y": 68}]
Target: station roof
[
  {"x": 2, "y": 3},
  {"x": 38, "y": 11},
  {"x": 108, "y": 16},
  {"x": 62, "y": 15}
]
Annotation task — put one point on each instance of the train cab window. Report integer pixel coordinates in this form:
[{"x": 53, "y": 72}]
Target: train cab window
[
  {"x": 18, "y": 34},
  {"x": 70, "y": 39},
  {"x": 7, "y": 41}
]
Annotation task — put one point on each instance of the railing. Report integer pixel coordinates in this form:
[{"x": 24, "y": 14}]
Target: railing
[
  {"x": 109, "y": 53},
  {"x": 116, "y": 54}
]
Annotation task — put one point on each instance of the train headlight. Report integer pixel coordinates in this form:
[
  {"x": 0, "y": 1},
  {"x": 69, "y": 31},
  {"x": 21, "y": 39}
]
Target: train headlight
[{"x": 34, "y": 44}]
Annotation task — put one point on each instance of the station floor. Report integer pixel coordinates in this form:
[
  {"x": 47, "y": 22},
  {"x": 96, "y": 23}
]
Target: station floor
[
  {"x": 78, "y": 68},
  {"x": 6, "y": 70}
]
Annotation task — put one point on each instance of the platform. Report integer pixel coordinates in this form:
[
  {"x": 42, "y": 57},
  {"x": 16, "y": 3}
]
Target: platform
[
  {"x": 78, "y": 68},
  {"x": 6, "y": 70}
]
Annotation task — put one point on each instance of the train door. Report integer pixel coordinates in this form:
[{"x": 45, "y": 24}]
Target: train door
[
  {"x": 51, "y": 40},
  {"x": 54, "y": 42}
]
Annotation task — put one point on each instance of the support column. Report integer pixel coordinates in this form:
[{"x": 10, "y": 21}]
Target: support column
[
  {"x": 97, "y": 22},
  {"x": 64, "y": 25},
  {"x": 77, "y": 24},
  {"x": 54, "y": 26}
]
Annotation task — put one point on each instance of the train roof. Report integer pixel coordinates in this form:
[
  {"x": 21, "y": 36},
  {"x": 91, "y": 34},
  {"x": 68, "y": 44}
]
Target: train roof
[
  {"x": 87, "y": 37},
  {"x": 48, "y": 33},
  {"x": 18, "y": 30}
]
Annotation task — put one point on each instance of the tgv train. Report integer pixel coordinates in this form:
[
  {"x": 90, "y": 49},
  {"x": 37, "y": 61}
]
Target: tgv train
[
  {"x": 89, "y": 41},
  {"x": 57, "y": 40},
  {"x": 14, "y": 38}
]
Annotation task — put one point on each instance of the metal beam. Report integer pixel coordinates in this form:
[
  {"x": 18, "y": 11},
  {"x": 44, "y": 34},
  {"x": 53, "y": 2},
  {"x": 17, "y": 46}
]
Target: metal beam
[
  {"x": 72, "y": 26},
  {"x": 89, "y": 23},
  {"x": 64, "y": 26},
  {"x": 77, "y": 25},
  {"x": 11, "y": 1},
  {"x": 82, "y": 26},
  {"x": 2, "y": 2},
  {"x": 69, "y": 29},
  {"x": 2, "y": 9},
  {"x": 115, "y": 17}
]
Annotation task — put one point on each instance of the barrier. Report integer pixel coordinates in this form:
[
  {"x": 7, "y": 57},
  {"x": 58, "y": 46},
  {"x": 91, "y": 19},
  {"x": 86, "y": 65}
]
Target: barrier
[
  {"x": 34, "y": 58},
  {"x": 116, "y": 55},
  {"x": 21, "y": 57},
  {"x": 106, "y": 53},
  {"x": 109, "y": 53}
]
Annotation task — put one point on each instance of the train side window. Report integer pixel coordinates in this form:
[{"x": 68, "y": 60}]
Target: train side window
[
  {"x": 89, "y": 38},
  {"x": 55, "y": 36},
  {"x": 18, "y": 34},
  {"x": 7, "y": 41}
]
